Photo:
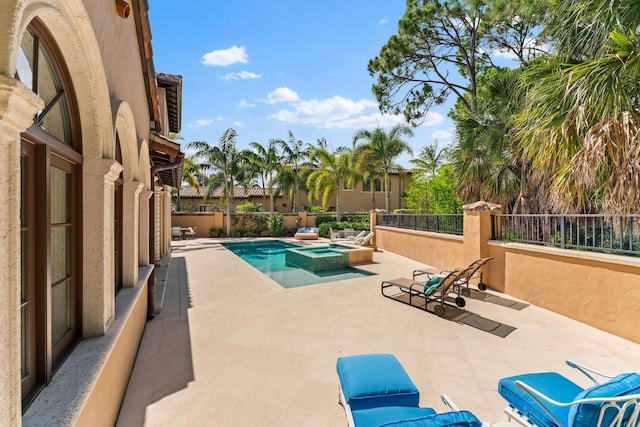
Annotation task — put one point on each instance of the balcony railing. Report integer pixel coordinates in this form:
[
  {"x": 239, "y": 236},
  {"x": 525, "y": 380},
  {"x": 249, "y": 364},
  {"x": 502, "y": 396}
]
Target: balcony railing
[
  {"x": 440, "y": 223},
  {"x": 616, "y": 234}
]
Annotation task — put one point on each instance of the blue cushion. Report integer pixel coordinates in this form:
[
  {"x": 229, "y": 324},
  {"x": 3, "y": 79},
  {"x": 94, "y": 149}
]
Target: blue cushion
[
  {"x": 586, "y": 414},
  {"x": 448, "y": 419},
  {"x": 431, "y": 285},
  {"x": 373, "y": 380},
  {"x": 379, "y": 416},
  {"x": 551, "y": 384}
]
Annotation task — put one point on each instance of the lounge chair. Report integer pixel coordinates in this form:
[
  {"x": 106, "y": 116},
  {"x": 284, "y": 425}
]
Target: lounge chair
[
  {"x": 306, "y": 233},
  {"x": 549, "y": 399},
  {"x": 349, "y": 239},
  {"x": 421, "y": 294},
  {"x": 375, "y": 390},
  {"x": 464, "y": 280},
  {"x": 176, "y": 233},
  {"x": 363, "y": 240},
  {"x": 189, "y": 232}
]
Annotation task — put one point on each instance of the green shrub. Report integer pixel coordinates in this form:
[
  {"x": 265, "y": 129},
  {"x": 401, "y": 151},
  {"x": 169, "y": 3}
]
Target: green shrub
[
  {"x": 216, "y": 232},
  {"x": 249, "y": 207}
]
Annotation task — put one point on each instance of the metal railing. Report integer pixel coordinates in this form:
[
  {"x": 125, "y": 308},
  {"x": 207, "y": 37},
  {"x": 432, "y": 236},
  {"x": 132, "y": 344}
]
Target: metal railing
[
  {"x": 617, "y": 234},
  {"x": 437, "y": 223}
]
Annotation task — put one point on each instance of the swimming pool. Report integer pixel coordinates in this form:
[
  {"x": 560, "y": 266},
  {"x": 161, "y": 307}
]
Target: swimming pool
[{"x": 269, "y": 256}]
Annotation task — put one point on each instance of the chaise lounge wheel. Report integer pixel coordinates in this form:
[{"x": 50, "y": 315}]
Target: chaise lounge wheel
[
  {"x": 439, "y": 310},
  {"x": 466, "y": 292},
  {"x": 482, "y": 286},
  {"x": 460, "y": 302}
]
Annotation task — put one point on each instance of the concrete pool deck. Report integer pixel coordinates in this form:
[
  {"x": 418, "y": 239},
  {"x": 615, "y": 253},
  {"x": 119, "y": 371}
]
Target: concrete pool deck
[{"x": 233, "y": 348}]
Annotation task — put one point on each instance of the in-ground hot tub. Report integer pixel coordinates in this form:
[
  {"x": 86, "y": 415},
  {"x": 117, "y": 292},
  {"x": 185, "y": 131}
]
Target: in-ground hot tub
[
  {"x": 332, "y": 257},
  {"x": 319, "y": 258}
]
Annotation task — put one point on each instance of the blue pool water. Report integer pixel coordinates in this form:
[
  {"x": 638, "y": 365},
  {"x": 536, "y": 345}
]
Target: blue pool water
[{"x": 268, "y": 256}]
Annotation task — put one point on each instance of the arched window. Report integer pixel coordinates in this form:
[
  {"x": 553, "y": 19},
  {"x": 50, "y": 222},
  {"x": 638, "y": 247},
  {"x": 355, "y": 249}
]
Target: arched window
[{"x": 50, "y": 213}]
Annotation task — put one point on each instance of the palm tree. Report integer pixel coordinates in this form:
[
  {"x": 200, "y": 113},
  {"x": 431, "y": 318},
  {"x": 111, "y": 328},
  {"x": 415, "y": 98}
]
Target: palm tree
[
  {"x": 581, "y": 116},
  {"x": 227, "y": 164},
  {"x": 293, "y": 157},
  {"x": 427, "y": 164},
  {"x": 383, "y": 150},
  {"x": 334, "y": 170},
  {"x": 266, "y": 159}
]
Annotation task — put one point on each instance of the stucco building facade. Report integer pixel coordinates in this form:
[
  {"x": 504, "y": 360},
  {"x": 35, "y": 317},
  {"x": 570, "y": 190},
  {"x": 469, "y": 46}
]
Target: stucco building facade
[{"x": 85, "y": 173}]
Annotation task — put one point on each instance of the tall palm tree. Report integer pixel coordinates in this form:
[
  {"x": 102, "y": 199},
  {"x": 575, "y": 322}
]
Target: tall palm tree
[
  {"x": 227, "y": 164},
  {"x": 266, "y": 160},
  {"x": 293, "y": 158},
  {"x": 427, "y": 164},
  {"x": 334, "y": 170},
  {"x": 383, "y": 149}
]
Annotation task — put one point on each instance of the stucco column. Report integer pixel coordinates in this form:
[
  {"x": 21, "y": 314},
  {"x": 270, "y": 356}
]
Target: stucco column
[
  {"x": 131, "y": 226},
  {"x": 143, "y": 239},
  {"x": 18, "y": 105},
  {"x": 157, "y": 229},
  {"x": 98, "y": 299},
  {"x": 477, "y": 230}
]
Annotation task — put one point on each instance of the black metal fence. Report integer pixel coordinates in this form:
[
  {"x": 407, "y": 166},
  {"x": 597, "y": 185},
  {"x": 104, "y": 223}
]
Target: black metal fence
[
  {"x": 440, "y": 223},
  {"x": 616, "y": 234}
]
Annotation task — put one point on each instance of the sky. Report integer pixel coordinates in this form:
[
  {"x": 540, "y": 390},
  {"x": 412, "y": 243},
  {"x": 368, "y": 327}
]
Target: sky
[{"x": 266, "y": 68}]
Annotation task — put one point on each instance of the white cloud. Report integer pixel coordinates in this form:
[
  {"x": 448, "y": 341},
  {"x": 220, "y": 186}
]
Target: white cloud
[
  {"x": 244, "y": 104},
  {"x": 442, "y": 135},
  {"x": 282, "y": 94},
  {"x": 318, "y": 112},
  {"x": 242, "y": 75},
  {"x": 237, "y": 123},
  {"x": 342, "y": 113},
  {"x": 223, "y": 57},
  {"x": 383, "y": 21},
  {"x": 201, "y": 123}
]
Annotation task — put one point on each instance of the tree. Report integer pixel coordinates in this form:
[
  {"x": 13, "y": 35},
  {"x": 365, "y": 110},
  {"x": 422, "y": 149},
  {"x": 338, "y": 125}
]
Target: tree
[
  {"x": 438, "y": 189},
  {"x": 427, "y": 164},
  {"x": 580, "y": 120},
  {"x": 227, "y": 164},
  {"x": 334, "y": 170},
  {"x": 266, "y": 160},
  {"x": 443, "y": 46},
  {"x": 413, "y": 67},
  {"x": 293, "y": 157},
  {"x": 382, "y": 149}
]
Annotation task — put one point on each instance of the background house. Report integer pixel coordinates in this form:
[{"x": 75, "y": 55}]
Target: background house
[
  {"x": 361, "y": 198},
  {"x": 86, "y": 170}
]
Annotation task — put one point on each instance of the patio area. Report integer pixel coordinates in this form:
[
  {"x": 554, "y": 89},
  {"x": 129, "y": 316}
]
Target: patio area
[{"x": 233, "y": 348}]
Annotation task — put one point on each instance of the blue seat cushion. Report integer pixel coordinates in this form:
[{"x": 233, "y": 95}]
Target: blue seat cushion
[
  {"x": 381, "y": 415},
  {"x": 586, "y": 414},
  {"x": 551, "y": 384},
  {"x": 373, "y": 380},
  {"x": 448, "y": 419}
]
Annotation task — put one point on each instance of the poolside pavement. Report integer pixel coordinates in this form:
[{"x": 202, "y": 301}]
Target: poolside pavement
[{"x": 231, "y": 347}]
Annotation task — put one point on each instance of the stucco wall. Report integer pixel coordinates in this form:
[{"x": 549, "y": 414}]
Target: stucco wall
[
  {"x": 596, "y": 289},
  {"x": 438, "y": 250},
  {"x": 121, "y": 58}
]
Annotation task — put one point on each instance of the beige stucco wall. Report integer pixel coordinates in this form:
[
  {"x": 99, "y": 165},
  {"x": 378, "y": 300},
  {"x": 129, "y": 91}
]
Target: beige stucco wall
[
  {"x": 438, "y": 250},
  {"x": 117, "y": 39},
  {"x": 103, "y": 403},
  {"x": 597, "y": 289},
  {"x": 600, "y": 290},
  {"x": 102, "y": 56}
]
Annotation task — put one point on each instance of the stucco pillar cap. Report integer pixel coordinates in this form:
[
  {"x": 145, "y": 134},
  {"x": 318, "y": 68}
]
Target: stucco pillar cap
[
  {"x": 18, "y": 104},
  {"x": 482, "y": 206}
]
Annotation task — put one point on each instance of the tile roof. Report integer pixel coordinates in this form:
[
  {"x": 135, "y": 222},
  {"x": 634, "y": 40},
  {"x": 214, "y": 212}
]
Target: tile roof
[{"x": 239, "y": 192}]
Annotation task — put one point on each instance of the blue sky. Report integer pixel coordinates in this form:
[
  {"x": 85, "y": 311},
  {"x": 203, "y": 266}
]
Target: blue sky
[{"x": 267, "y": 67}]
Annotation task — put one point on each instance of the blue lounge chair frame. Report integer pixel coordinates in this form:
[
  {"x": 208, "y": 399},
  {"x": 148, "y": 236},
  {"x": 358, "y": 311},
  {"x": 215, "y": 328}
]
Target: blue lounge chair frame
[{"x": 618, "y": 409}]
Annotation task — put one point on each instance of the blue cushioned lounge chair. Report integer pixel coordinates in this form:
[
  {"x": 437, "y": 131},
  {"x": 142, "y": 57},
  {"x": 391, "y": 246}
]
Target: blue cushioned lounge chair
[
  {"x": 549, "y": 399},
  {"x": 375, "y": 390}
]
